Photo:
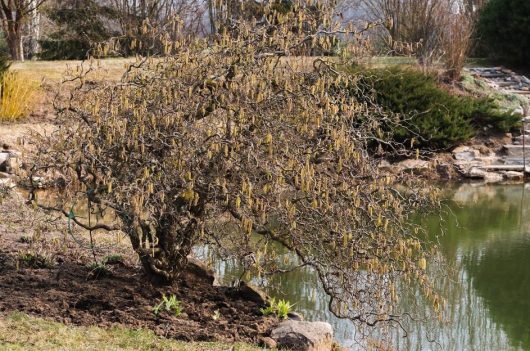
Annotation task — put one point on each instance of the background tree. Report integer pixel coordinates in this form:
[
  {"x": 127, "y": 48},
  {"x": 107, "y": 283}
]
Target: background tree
[
  {"x": 504, "y": 29},
  {"x": 436, "y": 32},
  {"x": 139, "y": 19},
  {"x": 237, "y": 133},
  {"x": 14, "y": 15},
  {"x": 79, "y": 26}
]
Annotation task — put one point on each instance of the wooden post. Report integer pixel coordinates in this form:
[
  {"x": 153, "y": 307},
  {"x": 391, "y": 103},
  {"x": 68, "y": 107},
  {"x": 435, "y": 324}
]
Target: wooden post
[
  {"x": 524, "y": 146},
  {"x": 526, "y": 115}
]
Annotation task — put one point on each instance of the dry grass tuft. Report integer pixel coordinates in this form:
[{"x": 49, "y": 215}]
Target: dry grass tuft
[{"x": 16, "y": 97}]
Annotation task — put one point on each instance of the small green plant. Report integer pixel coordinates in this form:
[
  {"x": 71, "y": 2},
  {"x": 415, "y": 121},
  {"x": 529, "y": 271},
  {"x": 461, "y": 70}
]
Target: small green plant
[
  {"x": 280, "y": 308},
  {"x": 283, "y": 308},
  {"x": 36, "y": 259},
  {"x": 168, "y": 304},
  {"x": 98, "y": 270},
  {"x": 113, "y": 259}
]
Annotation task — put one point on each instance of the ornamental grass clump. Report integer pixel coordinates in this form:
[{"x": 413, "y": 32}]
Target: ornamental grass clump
[{"x": 16, "y": 96}]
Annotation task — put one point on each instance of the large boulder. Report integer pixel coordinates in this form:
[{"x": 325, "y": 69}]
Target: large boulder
[
  {"x": 514, "y": 175},
  {"x": 201, "y": 271},
  {"x": 493, "y": 177},
  {"x": 253, "y": 293},
  {"x": 465, "y": 153},
  {"x": 303, "y": 336},
  {"x": 476, "y": 172}
]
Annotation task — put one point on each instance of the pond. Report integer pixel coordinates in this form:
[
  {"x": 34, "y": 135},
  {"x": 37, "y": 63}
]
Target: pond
[{"x": 486, "y": 241}]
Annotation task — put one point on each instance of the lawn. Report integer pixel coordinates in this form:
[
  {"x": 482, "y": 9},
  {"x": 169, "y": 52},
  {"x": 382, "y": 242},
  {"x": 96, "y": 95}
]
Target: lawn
[
  {"x": 36, "y": 71},
  {"x": 22, "y": 332}
]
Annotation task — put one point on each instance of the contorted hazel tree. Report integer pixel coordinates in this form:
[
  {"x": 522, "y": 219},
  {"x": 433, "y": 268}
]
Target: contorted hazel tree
[{"x": 236, "y": 131}]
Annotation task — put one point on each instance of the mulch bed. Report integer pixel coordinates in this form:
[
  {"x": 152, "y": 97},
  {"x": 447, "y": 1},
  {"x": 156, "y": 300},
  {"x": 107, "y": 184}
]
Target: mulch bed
[{"x": 67, "y": 292}]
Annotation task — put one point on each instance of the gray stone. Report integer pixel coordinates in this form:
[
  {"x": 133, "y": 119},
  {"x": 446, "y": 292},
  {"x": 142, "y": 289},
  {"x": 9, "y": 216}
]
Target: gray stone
[
  {"x": 493, "y": 177},
  {"x": 253, "y": 293},
  {"x": 267, "y": 343},
  {"x": 303, "y": 336},
  {"x": 412, "y": 165},
  {"x": 475, "y": 172},
  {"x": 516, "y": 150},
  {"x": 201, "y": 270},
  {"x": 513, "y": 175},
  {"x": 465, "y": 153}
]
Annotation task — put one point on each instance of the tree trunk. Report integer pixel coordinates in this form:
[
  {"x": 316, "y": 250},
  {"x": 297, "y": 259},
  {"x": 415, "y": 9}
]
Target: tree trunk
[
  {"x": 14, "y": 42},
  {"x": 165, "y": 255}
]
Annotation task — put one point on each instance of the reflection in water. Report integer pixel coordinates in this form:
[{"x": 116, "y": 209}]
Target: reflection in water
[{"x": 486, "y": 238}]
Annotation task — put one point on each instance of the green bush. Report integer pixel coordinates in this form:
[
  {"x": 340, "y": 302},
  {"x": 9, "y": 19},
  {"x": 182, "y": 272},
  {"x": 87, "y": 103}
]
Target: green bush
[
  {"x": 427, "y": 113},
  {"x": 504, "y": 31}
]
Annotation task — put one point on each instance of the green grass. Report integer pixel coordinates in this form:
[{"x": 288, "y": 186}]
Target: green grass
[{"x": 19, "y": 332}]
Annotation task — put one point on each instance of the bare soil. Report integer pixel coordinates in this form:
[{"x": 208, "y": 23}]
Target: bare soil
[{"x": 63, "y": 288}]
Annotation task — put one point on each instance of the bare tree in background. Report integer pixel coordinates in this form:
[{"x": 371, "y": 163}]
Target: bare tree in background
[
  {"x": 434, "y": 31},
  {"x": 472, "y": 7},
  {"x": 14, "y": 15},
  {"x": 136, "y": 17},
  {"x": 419, "y": 22}
]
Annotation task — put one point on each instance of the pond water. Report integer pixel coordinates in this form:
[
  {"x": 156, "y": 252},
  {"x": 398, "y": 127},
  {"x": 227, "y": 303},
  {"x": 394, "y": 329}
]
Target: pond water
[{"x": 486, "y": 241}]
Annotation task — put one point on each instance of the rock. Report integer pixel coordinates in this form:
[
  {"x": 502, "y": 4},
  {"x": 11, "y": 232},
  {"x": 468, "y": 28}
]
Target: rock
[
  {"x": 493, "y": 177},
  {"x": 488, "y": 160},
  {"x": 412, "y": 165},
  {"x": 303, "y": 336},
  {"x": 475, "y": 172},
  {"x": 38, "y": 182},
  {"x": 295, "y": 316},
  {"x": 7, "y": 183},
  {"x": 444, "y": 170},
  {"x": 465, "y": 153},
  {"x": 267, "y": 343},
  {"x": 516, "y": 150},
  {"x": 4, "y": 175},
  {"x": 201, "y": 270},
  {"x": 4, "y": 157},
  {"x": 384, "y": 164},
  {"x": 513, "y": 175},
  {"x": 13, "y": 164},
  {"x": 252, "y": 293},
  {"x": 461, "y": 148},
  {"x": 483, "y": 149}
]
